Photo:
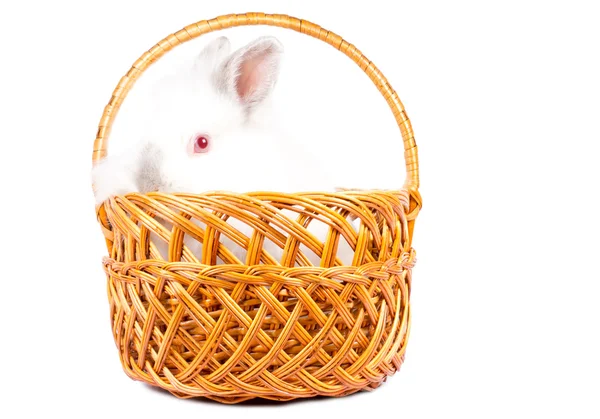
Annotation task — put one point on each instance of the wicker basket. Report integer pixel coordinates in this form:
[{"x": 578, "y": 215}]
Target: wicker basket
[{"x": 275, "y": 329}]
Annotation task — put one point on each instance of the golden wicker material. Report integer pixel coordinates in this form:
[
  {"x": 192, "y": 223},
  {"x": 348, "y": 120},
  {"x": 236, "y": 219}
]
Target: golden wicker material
[{"x": 214, "y": 326}]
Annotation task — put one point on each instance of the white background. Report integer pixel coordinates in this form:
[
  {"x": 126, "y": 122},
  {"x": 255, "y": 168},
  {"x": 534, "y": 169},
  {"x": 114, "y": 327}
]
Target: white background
[{"x": 504, "y": 100}]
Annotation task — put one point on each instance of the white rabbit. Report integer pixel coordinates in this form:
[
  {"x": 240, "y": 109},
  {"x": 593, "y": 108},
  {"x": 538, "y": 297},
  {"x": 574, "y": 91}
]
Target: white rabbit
[{"x": 207, "y": 132}]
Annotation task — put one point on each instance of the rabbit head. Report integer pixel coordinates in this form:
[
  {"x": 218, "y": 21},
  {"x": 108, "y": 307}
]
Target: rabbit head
[{"x": 205, "y": 129}]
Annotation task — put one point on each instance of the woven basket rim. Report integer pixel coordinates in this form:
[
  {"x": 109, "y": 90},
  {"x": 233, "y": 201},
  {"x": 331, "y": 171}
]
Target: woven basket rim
[{"x": 258, "y": 193}]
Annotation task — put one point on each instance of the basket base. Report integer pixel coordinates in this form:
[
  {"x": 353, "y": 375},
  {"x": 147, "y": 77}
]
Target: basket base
[{"x": 258, "y": 400}]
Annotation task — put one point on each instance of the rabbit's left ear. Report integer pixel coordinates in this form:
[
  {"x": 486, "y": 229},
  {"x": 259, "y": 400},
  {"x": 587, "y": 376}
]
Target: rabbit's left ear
[{"x": 250, "y": 73}]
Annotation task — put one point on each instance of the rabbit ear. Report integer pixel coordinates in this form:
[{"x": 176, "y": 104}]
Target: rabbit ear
[
  {"x": 251, "y": 72},
  {"x": 213, "y": 54}
]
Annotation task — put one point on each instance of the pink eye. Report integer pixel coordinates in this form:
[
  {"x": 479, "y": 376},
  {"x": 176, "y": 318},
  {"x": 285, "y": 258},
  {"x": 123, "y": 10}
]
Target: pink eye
[{"x": 201, "y": 144}]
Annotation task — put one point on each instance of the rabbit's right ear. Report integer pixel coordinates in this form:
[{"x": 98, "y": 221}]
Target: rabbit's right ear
[{"x": 213, "y": 54}]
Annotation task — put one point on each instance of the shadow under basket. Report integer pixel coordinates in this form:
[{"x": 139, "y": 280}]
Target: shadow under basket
[{"x": 267, "y": 308}]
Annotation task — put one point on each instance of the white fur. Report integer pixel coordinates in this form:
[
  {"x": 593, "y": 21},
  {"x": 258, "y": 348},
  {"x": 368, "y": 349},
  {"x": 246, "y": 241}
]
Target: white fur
[{"x": 247, "y": 153}]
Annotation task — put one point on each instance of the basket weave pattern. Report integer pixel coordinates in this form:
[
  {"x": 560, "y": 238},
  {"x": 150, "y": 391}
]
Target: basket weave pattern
[
  {"x": 268, "y": 326},
  {"x": 281, "y": 331}
]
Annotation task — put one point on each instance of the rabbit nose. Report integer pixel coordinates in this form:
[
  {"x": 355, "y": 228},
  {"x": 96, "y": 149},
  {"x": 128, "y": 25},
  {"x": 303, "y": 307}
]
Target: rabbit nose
[{"x": 149, "y": 177}]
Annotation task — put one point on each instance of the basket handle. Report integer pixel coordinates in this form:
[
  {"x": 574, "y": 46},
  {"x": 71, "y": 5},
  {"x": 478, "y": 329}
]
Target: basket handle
[{"x": 226, "y": 21}]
